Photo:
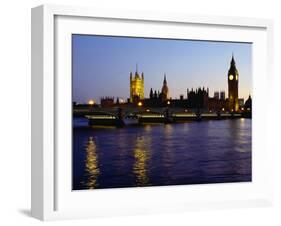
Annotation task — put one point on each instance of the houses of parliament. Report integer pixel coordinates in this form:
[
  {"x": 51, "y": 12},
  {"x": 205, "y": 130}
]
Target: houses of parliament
[{"x": 196, "y": 98}]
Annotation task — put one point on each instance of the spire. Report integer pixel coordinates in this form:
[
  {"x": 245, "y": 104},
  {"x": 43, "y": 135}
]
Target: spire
[
  {"x": 155, "y": 94},
  {"x": 165, "y": 81},
  {"x": 151, "y": 93},
  {"x": 136, "y": 73},
  {"x": 232, "y": 61}
]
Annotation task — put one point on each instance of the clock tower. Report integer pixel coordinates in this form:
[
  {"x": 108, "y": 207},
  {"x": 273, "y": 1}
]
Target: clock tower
[{"x": 232, "y": 78}]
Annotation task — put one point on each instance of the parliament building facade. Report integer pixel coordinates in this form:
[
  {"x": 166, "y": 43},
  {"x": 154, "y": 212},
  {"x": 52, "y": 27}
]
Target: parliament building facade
[{"x": 195, "y": 99}]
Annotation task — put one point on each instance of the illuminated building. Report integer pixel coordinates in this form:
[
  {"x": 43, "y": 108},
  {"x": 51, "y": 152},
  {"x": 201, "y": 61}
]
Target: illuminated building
[
  {"x": 232, "y": 78},
  {"x": 241, "y": 102},
  {"x": 165, "y": 90},
  {"x": 136, "y": 87}
]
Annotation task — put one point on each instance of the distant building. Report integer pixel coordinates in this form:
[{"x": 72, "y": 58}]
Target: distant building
[
  {"x": 165, "y": 90},
  {"x": 157, "y": 98},
  {"x": 136, "y": 87},
  {"x": 217, "y": 105},
  {"x": 151, "y": 95},
  {"x": 197, "y": 99},
  {"x": 222, "y": 95},
  {"x": 107, "y": 101},
  {"x": 248, "y": 104},
  {"x": 117, "y": 101},
  {"x": 216, "y": 95},
  {"x": 218, "y": 102},
  {"x": 240, "y": 102},
  {"x": 154, "y": 99}
]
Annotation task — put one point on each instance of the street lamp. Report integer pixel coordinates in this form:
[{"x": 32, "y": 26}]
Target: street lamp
[{"x": 140, "y": 104}]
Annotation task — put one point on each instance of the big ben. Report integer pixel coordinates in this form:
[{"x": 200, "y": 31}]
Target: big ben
[{"x": 233, "y": 78}]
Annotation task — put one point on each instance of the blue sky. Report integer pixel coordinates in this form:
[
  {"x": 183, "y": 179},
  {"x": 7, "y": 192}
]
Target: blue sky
[{"x": 102, "y": 65}]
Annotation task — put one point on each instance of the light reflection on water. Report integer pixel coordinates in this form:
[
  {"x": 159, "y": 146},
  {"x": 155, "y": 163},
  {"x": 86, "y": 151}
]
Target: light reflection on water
[
  {"x": 91, "y": 165},
  {"x": 141, "y": 154},
  {"x": 189, "y": 153}
]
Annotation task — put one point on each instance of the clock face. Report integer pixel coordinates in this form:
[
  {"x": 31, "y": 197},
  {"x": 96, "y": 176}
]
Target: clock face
[
  {"x": 230, "y": 77},
  {"x": 236, "y": 77}
]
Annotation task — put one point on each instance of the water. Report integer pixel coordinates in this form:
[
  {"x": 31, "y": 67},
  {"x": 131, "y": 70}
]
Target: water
[{"x": 213, "y": 151}]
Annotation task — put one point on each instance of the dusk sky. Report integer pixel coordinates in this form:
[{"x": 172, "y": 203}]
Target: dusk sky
[{"x": 102, "y": 65}]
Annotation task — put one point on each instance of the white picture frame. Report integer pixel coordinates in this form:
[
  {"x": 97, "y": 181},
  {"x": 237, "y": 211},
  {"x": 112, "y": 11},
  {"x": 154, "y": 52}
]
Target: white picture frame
[{"x": 52, "y": 197}]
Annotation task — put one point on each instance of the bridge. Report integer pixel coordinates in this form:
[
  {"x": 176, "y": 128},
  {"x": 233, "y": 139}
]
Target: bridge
[{"x": 118, "y": 116}]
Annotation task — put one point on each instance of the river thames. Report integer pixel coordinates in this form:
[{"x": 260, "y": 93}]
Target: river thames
[{"x": 211, "y": 151}]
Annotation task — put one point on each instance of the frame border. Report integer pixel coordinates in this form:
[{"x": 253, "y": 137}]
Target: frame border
[{"x": 43, "y": 124}]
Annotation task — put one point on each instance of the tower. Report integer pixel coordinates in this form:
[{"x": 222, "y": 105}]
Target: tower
[
  {"x": 136, "y": 86},
  {"x": 232, "y": 78},
  {"x": 165, "y": 90},
  {"x": 216, "y": 95},
  {"x": 151, "y": 94},
  {"x": 222, "y": 95}
]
